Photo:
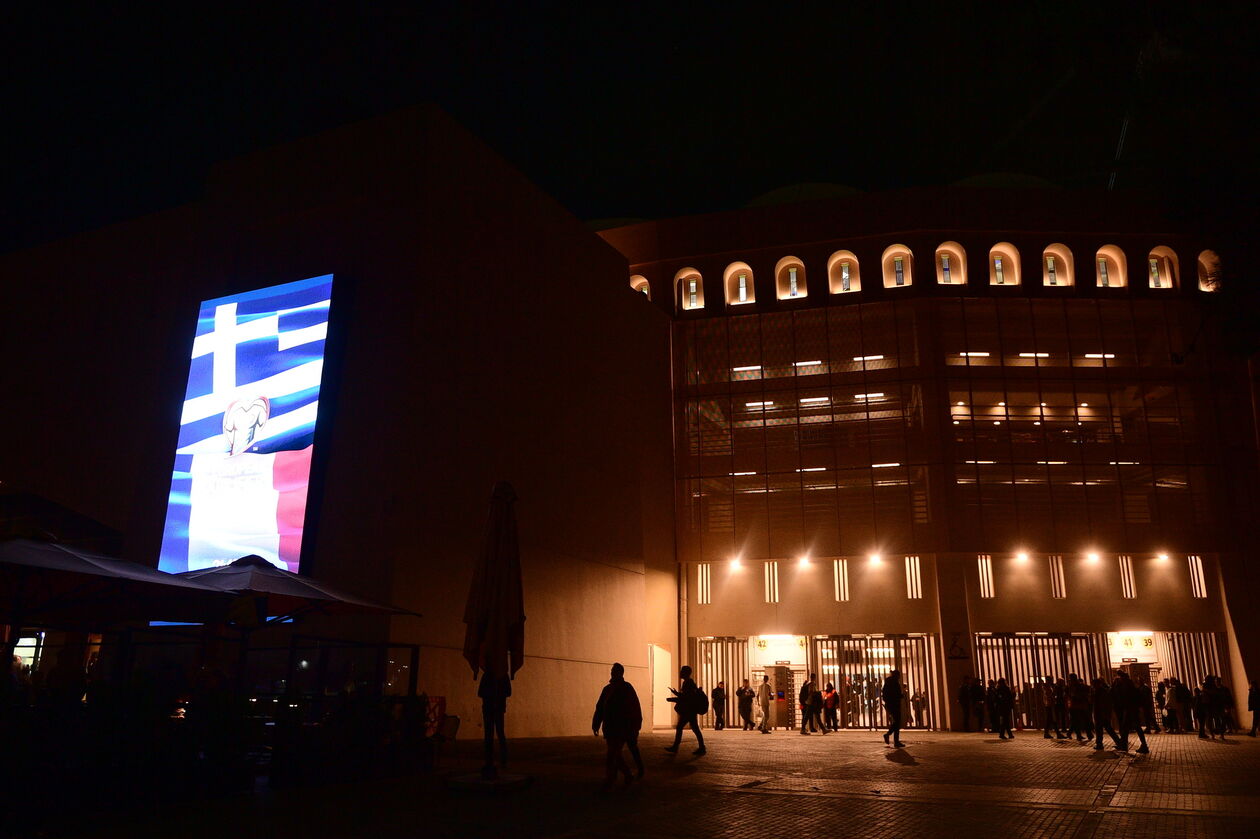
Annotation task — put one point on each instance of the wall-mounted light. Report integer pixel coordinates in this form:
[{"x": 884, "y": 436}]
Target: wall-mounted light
[
  {"x": 803, "y": 561},
  {"x": 736, "y": 563},
  {"x": 1022, "y": 556},
  {"x": 1092, "y": 557},
  {"x": 875, "y": 559},
  {"x": 1163, "y": 557}
]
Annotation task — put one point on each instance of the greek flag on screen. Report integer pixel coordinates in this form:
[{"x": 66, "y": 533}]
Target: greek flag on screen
[{"x": 247, "y": 429}]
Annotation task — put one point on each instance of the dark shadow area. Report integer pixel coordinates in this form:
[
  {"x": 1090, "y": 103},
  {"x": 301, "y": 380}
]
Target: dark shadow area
[{"x": 902, "y": 757}]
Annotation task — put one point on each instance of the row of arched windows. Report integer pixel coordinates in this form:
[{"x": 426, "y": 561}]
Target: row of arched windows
[{"x": 1058, "y": 268}]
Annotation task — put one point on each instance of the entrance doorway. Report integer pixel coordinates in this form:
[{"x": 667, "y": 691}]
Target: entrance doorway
[
  {"x": 1024, "y": 659},
  {"x": 858, "y": 664}
]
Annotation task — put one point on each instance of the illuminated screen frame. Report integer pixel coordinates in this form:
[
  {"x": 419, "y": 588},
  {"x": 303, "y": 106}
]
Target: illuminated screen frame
[{"x": 247, "y": 435}]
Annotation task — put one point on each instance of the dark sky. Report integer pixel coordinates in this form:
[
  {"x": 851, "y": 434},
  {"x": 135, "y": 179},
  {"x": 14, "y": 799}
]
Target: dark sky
[{"x": 626, "y": 110}]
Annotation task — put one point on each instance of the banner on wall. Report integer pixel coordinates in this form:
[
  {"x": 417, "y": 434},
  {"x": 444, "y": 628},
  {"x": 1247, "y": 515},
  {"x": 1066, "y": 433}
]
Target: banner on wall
[{"x": 247, "y": 430}]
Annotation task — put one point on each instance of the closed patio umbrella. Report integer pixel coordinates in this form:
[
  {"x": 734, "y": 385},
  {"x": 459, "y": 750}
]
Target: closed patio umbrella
[{"x": 494, "y": 639}]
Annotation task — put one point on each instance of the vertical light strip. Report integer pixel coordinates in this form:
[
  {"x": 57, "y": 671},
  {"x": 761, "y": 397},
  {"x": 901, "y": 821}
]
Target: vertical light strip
[
  {"x": 704, "y": 583},
  {"x": 840, "y": 568},
  {"x": 1058, "y": 583},
  {"x": 984, "y": 562},
  {"x": 1198, "y": 586},
  {"x": 1128, "y": 587},
  {"x": 772, "y": 581},
  {"x": 914, "y": 581}
]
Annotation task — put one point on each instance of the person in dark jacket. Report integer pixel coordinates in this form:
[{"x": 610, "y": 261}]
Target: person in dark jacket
[
  {"x": 719, "y": 706},
  {"x": 1126, "y": 701},
  {"x": 1050, "y": 713},
  {"x": 1253, "y": 705},
  {"x": 686, "y": 701},
  {"x": 892, "y": 695},
  {"x": 1100, "y": 701},
  {"x": 964, "y": 699},
  {"x": 744, "y": 699},
  {"x": 977, "y": 702},
  {"x": 1003, "y": 705},
  {"x": 619, "y": 713}
]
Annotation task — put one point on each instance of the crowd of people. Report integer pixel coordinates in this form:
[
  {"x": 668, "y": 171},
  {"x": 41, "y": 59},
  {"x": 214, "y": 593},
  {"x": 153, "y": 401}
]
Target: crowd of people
[
  {"x": 1074, "y": 708},
  {"x": 1061, "y": 708}
]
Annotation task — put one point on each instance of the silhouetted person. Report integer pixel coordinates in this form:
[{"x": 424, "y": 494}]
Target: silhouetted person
[
  {"x": 1077, "y": 707},
  {"x": 964, "y": 699},
  {"x": 1050, "y": 710},
  {"x": 687, "y": 700},
  {"x": 892, "y": 695},
  {"x": 1003, "y": 705},
  {"x": 977, "y": 702},
  {"x": 1100, "y": 701},
  {"x": 763, "y": 701},
  {"x": 831, "y": 701},
  {"x": 621, "y": 716},
  {"x": 918, "y": 704},
  {"x": 1146, "y": 707},
  {"x": 744, "y": 699},
  {"x": 813, "y": 705},
  {"x": 494, "y": 692},
  {"x": 719, "y": 706},
  {"x": 1253, "y": 705},
  {"x": 1125, "y": 699}
]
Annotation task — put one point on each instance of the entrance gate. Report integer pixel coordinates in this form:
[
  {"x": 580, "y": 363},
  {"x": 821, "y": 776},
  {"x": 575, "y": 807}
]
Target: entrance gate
[
  {"x": 857, "y": 666},
  {"x": 1024, "y": 659},
  {"x": 720, "y": 660}
]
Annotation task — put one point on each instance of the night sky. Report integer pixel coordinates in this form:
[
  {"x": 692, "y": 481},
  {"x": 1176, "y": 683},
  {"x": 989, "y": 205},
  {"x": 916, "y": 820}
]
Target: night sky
[{"x": 627, "y": 111}]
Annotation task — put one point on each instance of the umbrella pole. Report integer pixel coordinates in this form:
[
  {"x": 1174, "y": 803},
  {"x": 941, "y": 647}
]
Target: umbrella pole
[{"x": 413, "y": 675}]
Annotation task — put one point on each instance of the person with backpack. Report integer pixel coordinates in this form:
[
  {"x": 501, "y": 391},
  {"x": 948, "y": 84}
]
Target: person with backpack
[
  {"x": 690, "y": 703},
  {"x": 619, "y": 713},
  {"x": 892, "y": 695}
]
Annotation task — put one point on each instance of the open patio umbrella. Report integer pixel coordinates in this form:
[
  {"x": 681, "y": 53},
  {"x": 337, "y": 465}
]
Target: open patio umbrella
[
  {"x": 286, "y": 593},
  {"x": 495, "y": 612},
  {"x": 48, "y": 583},
  {"x": 51, "y": 585}
]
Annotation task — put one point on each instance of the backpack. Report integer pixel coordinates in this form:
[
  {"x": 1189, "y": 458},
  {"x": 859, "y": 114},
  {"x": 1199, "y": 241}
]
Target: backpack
[{"x": 701, "y": 702}]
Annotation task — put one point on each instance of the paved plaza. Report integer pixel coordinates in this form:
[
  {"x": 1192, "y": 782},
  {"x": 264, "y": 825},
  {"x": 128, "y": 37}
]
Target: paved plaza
[{"x": 780, "y": 785}]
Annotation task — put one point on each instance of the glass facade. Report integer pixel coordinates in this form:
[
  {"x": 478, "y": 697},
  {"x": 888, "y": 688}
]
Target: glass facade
[{"x": 937, "y": 425}]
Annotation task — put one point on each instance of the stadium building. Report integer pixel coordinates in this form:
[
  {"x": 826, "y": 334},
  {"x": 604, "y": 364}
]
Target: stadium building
[{"x": 997, "y": 432}]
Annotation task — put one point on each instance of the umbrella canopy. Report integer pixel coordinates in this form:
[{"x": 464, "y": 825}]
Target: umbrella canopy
[
  {"x": 285, "y": 592},
  {"x": 495, "y": 612},
  {"x": 43, "y": 583}
]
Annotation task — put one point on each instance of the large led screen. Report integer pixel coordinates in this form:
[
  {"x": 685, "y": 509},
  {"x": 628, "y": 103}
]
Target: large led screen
[{"x": 248, "y": 426}]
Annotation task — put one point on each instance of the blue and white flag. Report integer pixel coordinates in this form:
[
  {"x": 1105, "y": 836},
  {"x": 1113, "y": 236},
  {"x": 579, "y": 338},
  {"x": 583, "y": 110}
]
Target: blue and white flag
[{"x": 247, "y": 428}]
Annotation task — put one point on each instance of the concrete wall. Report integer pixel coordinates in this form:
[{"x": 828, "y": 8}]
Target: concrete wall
[{"x": 484, "y": 335}]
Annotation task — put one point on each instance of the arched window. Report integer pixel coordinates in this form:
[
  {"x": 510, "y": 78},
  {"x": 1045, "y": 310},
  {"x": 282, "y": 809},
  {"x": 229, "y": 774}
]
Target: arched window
[
  {"x": 1111, "y": 269},
  {"x": 690, "y": 289},
  {"x": 789, "y": 278},
  {"x": 640, "y": 284},
  {"x": 842, "y": 272},
  {"x": 1056, "y": 265},
  {"x": 898, "y": 265},
  {"x": 1162, "y": 267},
  {"x": 1004, "y": 268},
  {"x": 951, "y": 264},
  {"x": 739, "y": 284},
  {"x": 1209, "y": 271}
]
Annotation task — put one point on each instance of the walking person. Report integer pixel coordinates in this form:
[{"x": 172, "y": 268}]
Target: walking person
[
  {"x": 977, "y": 702},
  {"x": 719, "y": 706},
  {"x": 1003, "y": 705},
  {"x": 619, "y": 713},
  {"x": 1125, "y": 699},
  {"x": 964, "y": 699},
  {"x": 918, "y": 704},
  {"x": 1048, "y": 708},
  {"x": 744, "y": 700},
  {"x": 1253, "y": 705},
  {"x": 1146, "y": 700},
  {"x": 689, "y": 702},
  {"x": 1100, "y": 699},
  {"x": 892, "y": 695},
  {"x": 831, "y": 703},
  {"x": 1077, "y": 707},
  {"x": 763, "y": 703}
]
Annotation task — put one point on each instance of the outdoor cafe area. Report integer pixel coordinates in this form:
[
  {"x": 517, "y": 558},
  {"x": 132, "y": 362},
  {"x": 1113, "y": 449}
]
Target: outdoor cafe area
[{"x": 128, "y": 688}]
